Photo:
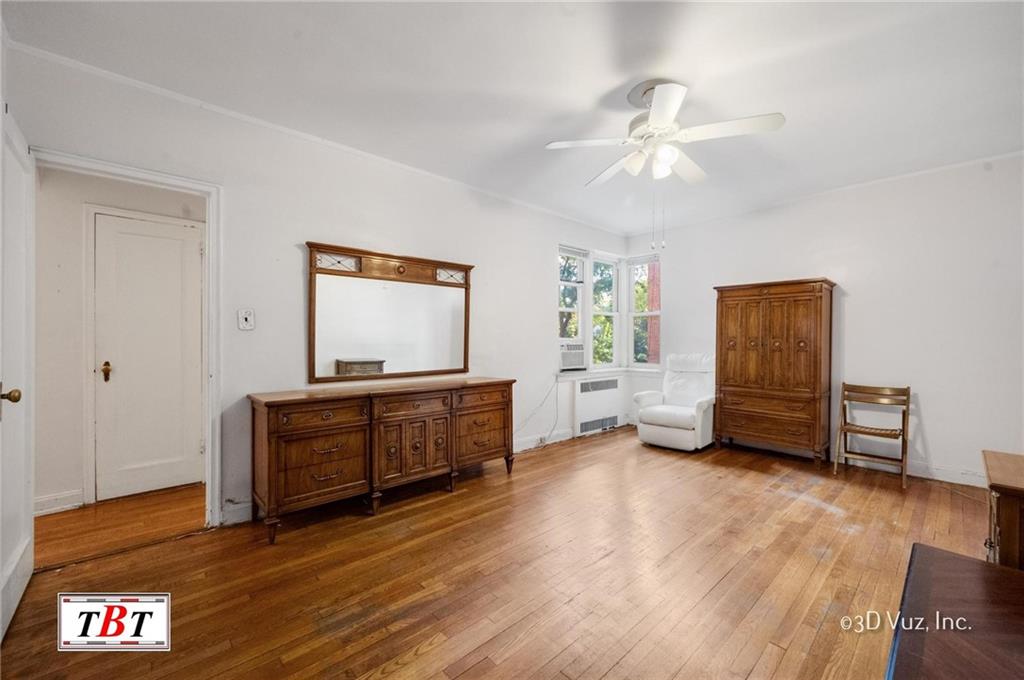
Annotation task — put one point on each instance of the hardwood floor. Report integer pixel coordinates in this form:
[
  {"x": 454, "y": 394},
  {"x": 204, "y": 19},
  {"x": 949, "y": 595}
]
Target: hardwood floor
[
  {"x": 599, "y": 558},
  {"x": 111, "y": 526}
]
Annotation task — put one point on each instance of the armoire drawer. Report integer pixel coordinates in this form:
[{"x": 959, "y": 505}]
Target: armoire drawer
[
  {"x": 479, "y": 422},
  {"x": 411, "y": 405},
  {"x": 347, "y": 412},
  {"x": 783, "y": 406},
  {"x": 324, "y": 448},
  {"x": 327, "y": 477},
  {"x": 484, "y": 397},
  {"x": 787, "y": 431}
]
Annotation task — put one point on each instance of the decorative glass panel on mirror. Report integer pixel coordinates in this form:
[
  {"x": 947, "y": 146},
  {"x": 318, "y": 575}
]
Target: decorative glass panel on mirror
[{"x": 388, "y": 315}]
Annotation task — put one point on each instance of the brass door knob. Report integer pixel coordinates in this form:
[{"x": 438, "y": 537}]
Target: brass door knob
[
  {"x": 106, "y": 368},
  {"x": 14, "y": 396}
]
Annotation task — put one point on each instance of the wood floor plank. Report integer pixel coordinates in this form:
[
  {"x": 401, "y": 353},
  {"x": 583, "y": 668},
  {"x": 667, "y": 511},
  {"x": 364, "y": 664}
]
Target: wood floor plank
[{"x": 596, "y": 558}]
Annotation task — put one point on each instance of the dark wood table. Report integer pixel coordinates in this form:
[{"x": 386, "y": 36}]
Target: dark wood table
[{"x": 986, "y": 597}]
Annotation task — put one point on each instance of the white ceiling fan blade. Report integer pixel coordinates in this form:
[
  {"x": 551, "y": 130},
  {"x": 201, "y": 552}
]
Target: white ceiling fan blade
[
  {"x": 668, "y": 98},
  {"x": 586, "y": 142},
  {"x": 610, "y": 171},
  {"x": 686, "y": 168},
  {"x": 732, "y": 128},
  {"x": 635, "y": 162}
]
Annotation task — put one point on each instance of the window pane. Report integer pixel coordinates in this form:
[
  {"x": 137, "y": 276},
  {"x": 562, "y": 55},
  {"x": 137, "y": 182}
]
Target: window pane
[
  {"x": 604, "y": 339},
  {"x": 568, "y": 325},
  {"x": 568, "y": 297},
  {"x": 647, "y": 287},
  {"x": 569, "y": 269},
  {"x": 647, "y": 340},
  {"x": 604, "y": 287}
]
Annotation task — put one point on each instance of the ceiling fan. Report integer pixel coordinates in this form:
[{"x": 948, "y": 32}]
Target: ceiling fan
[{"x": 658, "y": 135}]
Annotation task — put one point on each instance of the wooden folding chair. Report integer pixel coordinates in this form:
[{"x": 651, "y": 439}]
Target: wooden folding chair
[{"x": 885, "y": 396}]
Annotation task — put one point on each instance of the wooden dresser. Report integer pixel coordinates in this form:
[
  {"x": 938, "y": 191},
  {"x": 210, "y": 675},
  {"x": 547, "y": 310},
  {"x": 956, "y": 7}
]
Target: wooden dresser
[
  {"x": 773, "y": 376},
  {"x": 1005, "y": 472},
  {"x": 312, "y": 447}
]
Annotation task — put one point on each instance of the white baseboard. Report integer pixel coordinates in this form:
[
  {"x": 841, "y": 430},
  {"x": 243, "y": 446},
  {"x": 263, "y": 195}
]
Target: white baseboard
[
  {"x": 234, "y": 512},
  {"x": 15, "y": 576},
  {"x": 532, "y": 442},
  {"x": 56, "y": 502}
]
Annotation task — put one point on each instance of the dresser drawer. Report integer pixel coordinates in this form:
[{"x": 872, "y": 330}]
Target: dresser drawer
[
  {"x": 332, "y": 414},
  {"x": 324, "y": 448},
  {"x": 482, "y": 397},
  {"x": 783, "y": 406},
  {"x": 796, "y": 433},
  {"x": 479, "y": 422},
  {"x": 412, "y": 405},
  {"x": 339, "y": 475},
  {"x": 471, "y": 444}
]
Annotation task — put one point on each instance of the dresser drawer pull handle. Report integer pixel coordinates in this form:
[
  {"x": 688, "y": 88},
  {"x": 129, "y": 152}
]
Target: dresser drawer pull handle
[
  {"x": 739, "y": 423},
  {"x": 480, "y": 423},
  {"x": 439, "y": 442},
  {"x": 416, "y": 404},
  {"x": 324, "y": 452},
  {"x": 362, "y": 411},
  {"x": 417, "y": 445},
  {"x": 326, "y": 415},
  {"x": 285, "y": 420},
  {"x": 736, "y": 402},
  {"x": 444, "y": 401},
  {"x": 796, "y": 407},
  {"x": 324, "y": 478},
  {"x": 794, "y": 430},
  {"x": 483, "y": 397},
  {"x": 479, "y": 443},
  {"x": 392, "y": 451}
]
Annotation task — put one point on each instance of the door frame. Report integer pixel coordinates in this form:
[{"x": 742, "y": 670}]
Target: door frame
[
  {"x": 92, "y": 211},
  {"x": 211, "y": 303}
]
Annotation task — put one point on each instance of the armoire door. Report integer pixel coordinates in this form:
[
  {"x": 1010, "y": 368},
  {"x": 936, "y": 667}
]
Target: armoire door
[
  {"x": 751, "y": 363},
  {"x": 730, "y": 332},
  {"x": 776, "y": 358},
  {"x": 802, "y": 343}
]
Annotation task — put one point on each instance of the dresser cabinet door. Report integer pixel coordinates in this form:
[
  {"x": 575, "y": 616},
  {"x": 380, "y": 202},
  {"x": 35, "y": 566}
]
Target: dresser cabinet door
[
  {"x": 440, "y": 444},
  {"x": 388, "y": 455},
  {"x": 729, "y": 342},
  {"x": 752, "y": 373},
  {"x": 777, "y": 355},
  {"x": 415, "y": 447},
  {"x": 802, "y": 343}
]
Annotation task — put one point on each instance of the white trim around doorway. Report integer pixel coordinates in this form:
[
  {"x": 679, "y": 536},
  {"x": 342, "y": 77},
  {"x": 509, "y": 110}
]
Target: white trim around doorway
[{"x": 211, "y": 308}]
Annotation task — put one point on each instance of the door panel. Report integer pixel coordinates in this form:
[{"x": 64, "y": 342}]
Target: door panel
[
  {"x": 149, "y": 328},
  {"x": 16, "y": 361},
  {"x": 416, "y": 447},
  {"x": 777, "y": 354},
  {"x": 390, "y": 438},
  {"x": 752, "y": 374},
  {"x": 729, "y": 343},
  {"x": 801, "y": 331},
  {"x": 440, "y": 442}
]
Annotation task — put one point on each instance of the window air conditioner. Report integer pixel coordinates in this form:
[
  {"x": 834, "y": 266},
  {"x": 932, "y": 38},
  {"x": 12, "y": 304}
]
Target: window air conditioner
[{"x": 572, "y": 357}]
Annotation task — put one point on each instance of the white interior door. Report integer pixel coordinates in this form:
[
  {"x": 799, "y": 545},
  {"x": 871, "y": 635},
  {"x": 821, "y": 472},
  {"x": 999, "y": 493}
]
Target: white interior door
[
  {"x": 17, "y": 254},
  {"x": 148, "y": 377}
]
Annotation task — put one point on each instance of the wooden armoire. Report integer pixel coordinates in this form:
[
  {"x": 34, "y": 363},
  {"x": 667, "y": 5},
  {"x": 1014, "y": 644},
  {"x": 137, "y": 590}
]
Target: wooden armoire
[{"x": 773, "y": 374}]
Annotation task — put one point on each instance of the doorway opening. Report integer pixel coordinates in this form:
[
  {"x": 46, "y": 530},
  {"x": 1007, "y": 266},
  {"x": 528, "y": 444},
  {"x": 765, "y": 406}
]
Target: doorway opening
[{"x": 123, "y": 427}]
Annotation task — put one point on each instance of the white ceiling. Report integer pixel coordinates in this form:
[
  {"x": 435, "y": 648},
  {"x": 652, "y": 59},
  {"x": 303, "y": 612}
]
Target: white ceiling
[{"x": 474, "y": 91}]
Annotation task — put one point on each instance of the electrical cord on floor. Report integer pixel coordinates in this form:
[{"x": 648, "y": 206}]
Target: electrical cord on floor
[{"x": 539, "y": 406}]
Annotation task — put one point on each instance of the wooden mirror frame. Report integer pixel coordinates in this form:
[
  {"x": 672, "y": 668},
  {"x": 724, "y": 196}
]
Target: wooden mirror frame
[{"x": 372, "y": 265}]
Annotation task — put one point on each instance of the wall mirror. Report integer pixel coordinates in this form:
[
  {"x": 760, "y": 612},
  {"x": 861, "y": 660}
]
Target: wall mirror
[{"x": 373, "y": 315}]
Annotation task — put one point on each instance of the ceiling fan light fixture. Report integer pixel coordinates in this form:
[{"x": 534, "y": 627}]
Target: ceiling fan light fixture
[
  {"x": 660, "y": 170},
  {"x": 666, "y": 153},
  {"x": 635, "y": 163}
]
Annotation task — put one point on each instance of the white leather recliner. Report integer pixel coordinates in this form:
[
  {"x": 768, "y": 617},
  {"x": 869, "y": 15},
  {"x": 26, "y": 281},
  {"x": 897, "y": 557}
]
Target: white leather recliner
[{"x": 680, "y": 416}]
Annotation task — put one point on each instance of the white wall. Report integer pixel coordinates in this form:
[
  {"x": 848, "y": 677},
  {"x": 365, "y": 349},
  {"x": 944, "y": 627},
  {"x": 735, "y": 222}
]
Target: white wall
[
  {"x": 60, "y": 336},
  {"x": 928, "y": 268},
  {"x": 280, "y": 190}
]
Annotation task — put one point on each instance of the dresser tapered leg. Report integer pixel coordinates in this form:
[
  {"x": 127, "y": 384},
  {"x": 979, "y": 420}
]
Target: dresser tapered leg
[
  {"x": 509, "y": 459},
  {"x": 272, "y": 523},
  {"x": 255, "y": 512},
  {"x": 375, "y": 502},
  {"x": 451, "y": 481}
]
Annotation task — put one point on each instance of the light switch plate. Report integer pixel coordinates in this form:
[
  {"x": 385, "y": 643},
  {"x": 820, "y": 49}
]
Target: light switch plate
[{"x": 246, "y": 319}]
